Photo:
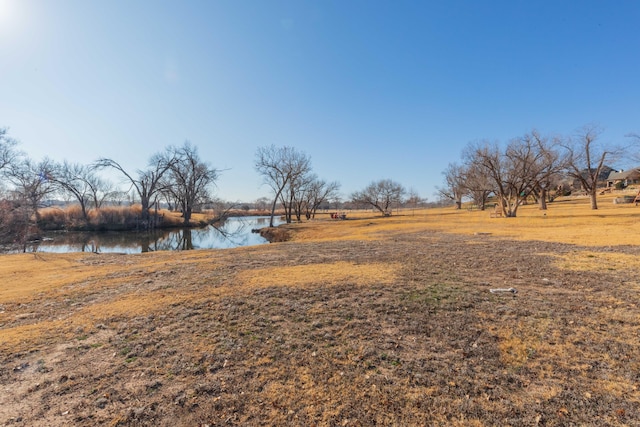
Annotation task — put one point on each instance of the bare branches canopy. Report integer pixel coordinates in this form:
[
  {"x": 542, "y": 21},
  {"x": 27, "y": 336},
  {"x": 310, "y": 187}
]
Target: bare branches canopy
[
  {"x": 455, "y": 181},
  {"x": 521, "y": 169},
  {"x": 586, "y": 159},
  {"x": 146, "y": 183},
  {"x": 282, "y": 169},
  {"x": 7, "y": 149},
  {"x": 382, "y": 195},
  {"x": 82, "y": 183},
  {"x": 189, "y": 181},
  {"x": 178, "y": 173},
  {"x": 529, "y": 166}
]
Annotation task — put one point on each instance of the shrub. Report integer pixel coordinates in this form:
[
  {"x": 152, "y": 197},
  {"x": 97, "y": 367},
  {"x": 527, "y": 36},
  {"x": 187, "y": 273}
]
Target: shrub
[
  {"x": 14, "y": 223},
  {"x": 53, "y": 218}
]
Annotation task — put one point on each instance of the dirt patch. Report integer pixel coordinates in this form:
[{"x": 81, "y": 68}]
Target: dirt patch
[
  {"x": 275, "y": 234},
  {"x": 396, "y": 331}
]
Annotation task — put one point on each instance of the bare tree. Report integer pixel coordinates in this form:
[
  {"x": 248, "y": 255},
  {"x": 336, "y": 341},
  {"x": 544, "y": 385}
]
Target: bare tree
[
  {"x": 477, "y": 183},
  {"x": 115, "y": 197},
  {"x": 315, "y": 193},
  {"x": 261, "y": 203},
  {"x": 8, "y": 153},
  {"x": 514, "y": 172},
  {"x": 381, "y": 195},
  {"x": 13, "y": 223},
  {"x": 454, "y": 184},
  {"x": 632, "y": 149},
  {"x": 14, "y": 218},
  {"x": 294, "y": 197},
  {"x": 280, "y": 167},
  {"x": 491, "y": 163},
  {"x": 585, "y": 159},
  {"x": 31, "y": 184},
  {"x": 148, "y": 183},
  {"x": 414, "y": 200},
  {"x": 548, "y": 165},
  {"x": 189, "y": 179},
  {"x": 81, "y": 182}
]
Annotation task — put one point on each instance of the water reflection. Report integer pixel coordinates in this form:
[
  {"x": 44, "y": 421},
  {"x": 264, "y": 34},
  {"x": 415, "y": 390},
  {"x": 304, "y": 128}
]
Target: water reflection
[{"x": 234, "y": 232}]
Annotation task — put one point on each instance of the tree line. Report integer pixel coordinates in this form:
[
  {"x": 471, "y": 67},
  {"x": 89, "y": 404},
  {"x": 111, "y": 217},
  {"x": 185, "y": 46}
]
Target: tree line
[
  {"x": 177, "y": 176},
  {"x": 300, "y": 192},
  {"x": 530, "y": 167}
]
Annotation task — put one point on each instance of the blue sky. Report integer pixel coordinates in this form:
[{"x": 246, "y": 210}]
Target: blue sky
[{"x": 368, "y": 89}]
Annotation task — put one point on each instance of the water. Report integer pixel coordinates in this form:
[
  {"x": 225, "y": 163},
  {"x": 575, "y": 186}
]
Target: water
[{"x": 234, "y": 232}]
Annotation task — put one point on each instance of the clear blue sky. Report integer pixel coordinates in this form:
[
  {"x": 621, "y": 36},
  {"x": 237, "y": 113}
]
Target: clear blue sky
[{"x": 368, "y": 89}]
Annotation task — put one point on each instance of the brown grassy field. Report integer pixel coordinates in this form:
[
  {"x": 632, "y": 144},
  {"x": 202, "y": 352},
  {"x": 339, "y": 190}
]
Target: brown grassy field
[{"x": 368, "y": 321}]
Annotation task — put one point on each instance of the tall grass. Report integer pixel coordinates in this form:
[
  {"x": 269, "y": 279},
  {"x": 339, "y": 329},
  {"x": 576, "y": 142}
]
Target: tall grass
[
  {"x": 116, "y": 217},
  {"x": 106, "y": 218},
  {"x": 52, "y": 218}
]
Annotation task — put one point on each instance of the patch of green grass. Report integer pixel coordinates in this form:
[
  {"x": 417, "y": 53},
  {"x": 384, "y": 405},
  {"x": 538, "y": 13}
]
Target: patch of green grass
[
  {"x": 434, "y": 295},
  {"x": 394, "y": 361}
]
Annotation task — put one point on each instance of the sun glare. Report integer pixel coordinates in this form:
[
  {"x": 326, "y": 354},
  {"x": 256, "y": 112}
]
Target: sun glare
[
  {"x": 4, "y": 10},
  {"x": 6, "y": 16},
  {"x": 11, "y": 17}
]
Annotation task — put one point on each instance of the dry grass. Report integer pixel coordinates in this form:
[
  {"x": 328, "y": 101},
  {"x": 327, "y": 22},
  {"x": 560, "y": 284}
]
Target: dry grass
[
  {"x": 368, "y": 321},
  {"x": 25, "y": 274},
  {"x": 597, "y": 261},
  {"x": 109, "y": 217},
  {"x": 567, "y": 220},
  {"x": 325, "y": 274}
]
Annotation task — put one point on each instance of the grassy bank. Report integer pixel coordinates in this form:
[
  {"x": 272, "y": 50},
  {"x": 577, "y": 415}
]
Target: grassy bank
[
  {"x": 118, "y": 218},
  {"x": 114, "y": 218},
  {"x": 367, "y": 321}
]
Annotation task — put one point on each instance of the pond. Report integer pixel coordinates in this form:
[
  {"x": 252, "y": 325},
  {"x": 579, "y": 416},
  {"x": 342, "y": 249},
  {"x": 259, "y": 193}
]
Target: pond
[{"x": 232, "y": 233}]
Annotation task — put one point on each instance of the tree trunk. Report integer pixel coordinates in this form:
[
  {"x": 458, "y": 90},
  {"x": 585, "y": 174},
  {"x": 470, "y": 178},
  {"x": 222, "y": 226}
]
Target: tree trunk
[
  {"x": 144, "y": 214},
  {"x": 508, "y": 211},
  {"x": 273, "y": 206},
  {"x": 543, "y": 199},
  {"x": 273, "y": 210},
  {"x": 187, "y": 215},
  {"x": 187, "y": 241},
  {"x": 593, "y": 197},
  {"x": 287, "y": 213},
  {"x": 85, "y": 214}
]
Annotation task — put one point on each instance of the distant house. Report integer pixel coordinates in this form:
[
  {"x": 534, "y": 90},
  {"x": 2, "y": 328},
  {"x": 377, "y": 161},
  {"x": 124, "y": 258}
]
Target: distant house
[
  {"x": 601, "y": 181},
  {"x": 625, "y": 178}
]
